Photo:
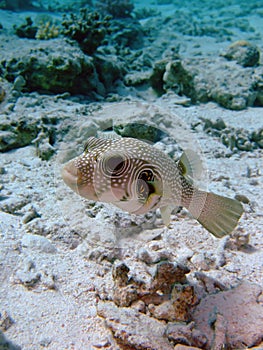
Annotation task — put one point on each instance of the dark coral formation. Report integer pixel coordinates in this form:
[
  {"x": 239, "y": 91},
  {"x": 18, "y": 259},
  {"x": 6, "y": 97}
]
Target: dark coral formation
[
  {"x": 16, "y": 5},
  {"x": 88, "y": 29},
  {"x": 168, "y": 297},
  {"x": 116, "y": 8},
  {"x": 243, "y": 52},
  {"x": 62, "y": 68},
  {"x": 234, "y": 138},
  {"x": 27, "y": 30}
]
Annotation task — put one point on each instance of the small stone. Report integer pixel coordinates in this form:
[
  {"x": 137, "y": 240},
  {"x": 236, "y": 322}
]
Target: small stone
[
  {"x": 185, "y": 335},
  {"x": 144, "y": 256},
  {"x": 45, "y": 342},
  {"x": 139, "y": 305},
  {"x": 124, "y": 296},
  {"x": 120, "y": 274},
  {"x": 201, "y": 262},
  {"x": 243, "y": 52},
  {"x": 30, "y": 215},
  {"x": 5, "y": 321},
  {"x": 26, "y": 273},
  {"x": 104, "y": 343},
  {"x": 38, "y": 243},
  {"x": 2, "y": 170},
  {"x": 242, "y": 198}
]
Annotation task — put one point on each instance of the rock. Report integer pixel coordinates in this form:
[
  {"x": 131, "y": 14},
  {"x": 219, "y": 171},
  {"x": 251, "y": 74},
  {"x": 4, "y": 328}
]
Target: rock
[
  {"x": 44, "y": 149},
  {"x": 2, "y": 94},
  {"x": 234, "y": 138},
  {"x": 120, "y": 274},
  {"x": 133, "y": 329},
  {"x": 185, "y": 334},
  {"x": 210, "y": 284},
  {"x": 38, "y": 243},
  {"x": 27, "y": 273},
  {"x": 167, "y": 274},
  {"x": 137, "y": 78},
  {"x": 124, "y": 291},
  {"x": 152, "y": 257},
  {"x": 19, "y": 131},
  {"x": 232, "y": 318},
  {"x": 243, "y": 52},
  {"x": 127, "y": 32},
  {"x": 12, "y": 205},
  {"x": 54, "y": 68},
  {"x": 203, "y": 79},
  {"x": 31, "y": 275},
  {"x": 30, "y": 215},
  {"x": 125, "y": 296},
  {"x": 109, "y": 69}
]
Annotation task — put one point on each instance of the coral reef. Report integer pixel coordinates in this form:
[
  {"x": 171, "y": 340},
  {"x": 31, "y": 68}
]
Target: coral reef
[
  {"x": 47, "y": 30},
  {"x": 43, "y": 30},
  {"x": 88, "y": 29},
  {"x": 227, "y": 83},
  {"x": 23, "y": 131},
  {"x": 115, "y": 8},
  {"x": 55, "y": 69}
]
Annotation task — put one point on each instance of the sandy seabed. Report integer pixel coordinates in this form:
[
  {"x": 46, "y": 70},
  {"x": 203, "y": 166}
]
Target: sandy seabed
[{"x": 58, "y": 251}]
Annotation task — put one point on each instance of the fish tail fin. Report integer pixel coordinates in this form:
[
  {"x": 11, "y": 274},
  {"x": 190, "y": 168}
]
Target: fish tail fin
[{"x": 218, "y": 214}]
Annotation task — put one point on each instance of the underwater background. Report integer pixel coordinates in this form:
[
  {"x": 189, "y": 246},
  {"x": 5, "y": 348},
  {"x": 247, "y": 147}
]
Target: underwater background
[{"x": 79, "y": 274}]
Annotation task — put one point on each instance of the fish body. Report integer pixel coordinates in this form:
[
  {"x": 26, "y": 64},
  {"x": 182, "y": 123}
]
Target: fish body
[{"x": 136, "y": 177}]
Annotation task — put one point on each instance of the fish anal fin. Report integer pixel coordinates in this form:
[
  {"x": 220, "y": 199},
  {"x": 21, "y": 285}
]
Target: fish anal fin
[{"x": 166, "y": 212}]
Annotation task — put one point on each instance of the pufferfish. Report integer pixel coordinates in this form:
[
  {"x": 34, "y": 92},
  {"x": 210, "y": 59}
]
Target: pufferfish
[{"x": 137, "y": 177}]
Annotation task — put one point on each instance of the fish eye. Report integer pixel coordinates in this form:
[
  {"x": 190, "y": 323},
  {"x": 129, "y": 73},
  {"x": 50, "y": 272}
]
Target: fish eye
[
  {"x": 145, "y": 184},
  {"x": 114, "y": 164}
]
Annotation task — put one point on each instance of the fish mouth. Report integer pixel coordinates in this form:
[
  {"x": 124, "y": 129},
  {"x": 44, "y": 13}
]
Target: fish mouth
[{"x": 70, "y": 176}]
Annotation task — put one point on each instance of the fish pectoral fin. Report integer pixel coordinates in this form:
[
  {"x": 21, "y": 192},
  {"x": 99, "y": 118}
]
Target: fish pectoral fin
[
  {"x": 218, "y": 214},
  {"x": 191, "y": 165},
  {"x": 166, "y": 212}
]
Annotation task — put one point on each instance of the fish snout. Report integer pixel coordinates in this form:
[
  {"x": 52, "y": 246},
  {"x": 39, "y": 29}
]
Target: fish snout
[
  {"x": 70, "y": 173},
  {"x": 73, "y": 177}
]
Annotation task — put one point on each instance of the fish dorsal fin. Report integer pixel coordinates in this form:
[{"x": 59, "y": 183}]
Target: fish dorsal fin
[
  {"x": 108, "y": 135},
  {"x": 93, "y": 143},
  {"x": 190, "y": 165}
]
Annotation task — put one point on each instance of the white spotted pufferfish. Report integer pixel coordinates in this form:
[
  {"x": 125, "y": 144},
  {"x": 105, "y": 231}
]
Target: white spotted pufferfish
[{"x": 137, "y": 177}]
